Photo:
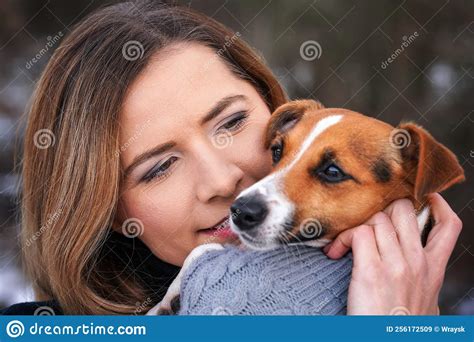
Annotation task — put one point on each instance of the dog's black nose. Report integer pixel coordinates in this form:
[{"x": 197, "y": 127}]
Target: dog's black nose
[{"x": 248, "y": 211}]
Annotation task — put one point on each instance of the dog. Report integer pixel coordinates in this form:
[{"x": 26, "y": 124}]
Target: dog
[{"x": 333, "y": 169}]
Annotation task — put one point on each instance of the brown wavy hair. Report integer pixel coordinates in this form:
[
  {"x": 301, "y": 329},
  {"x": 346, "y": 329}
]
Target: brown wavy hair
[{"x": 71, "y": 173}]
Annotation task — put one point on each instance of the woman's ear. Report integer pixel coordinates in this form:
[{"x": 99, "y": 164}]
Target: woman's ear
[
  {"x": 430, "y": 166},
  {"x": 287, "y": 116}
]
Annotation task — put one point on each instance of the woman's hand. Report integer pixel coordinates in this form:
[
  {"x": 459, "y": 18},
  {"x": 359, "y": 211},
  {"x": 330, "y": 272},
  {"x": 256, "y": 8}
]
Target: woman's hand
[{"x": 392, "y": 273}]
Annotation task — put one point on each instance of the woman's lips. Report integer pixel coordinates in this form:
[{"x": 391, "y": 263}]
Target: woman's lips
[{"x": 222, "y": 229}]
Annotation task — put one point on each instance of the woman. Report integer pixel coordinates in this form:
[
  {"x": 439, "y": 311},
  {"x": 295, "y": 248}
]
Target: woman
[{"x": 144, "y": 126}]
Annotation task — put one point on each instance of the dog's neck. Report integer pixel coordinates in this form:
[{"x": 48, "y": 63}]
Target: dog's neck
[
  {"x": 423, "y": 217},
  {"x": 425, "y": 223}
]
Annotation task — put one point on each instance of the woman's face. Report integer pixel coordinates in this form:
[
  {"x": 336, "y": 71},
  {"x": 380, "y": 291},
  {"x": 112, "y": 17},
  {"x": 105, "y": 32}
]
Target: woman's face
[{"x": 191, "y": 137}]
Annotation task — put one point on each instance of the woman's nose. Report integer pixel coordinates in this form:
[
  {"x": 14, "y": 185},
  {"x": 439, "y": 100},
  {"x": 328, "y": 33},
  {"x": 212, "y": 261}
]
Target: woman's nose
[{"x": 217, "y": 176}]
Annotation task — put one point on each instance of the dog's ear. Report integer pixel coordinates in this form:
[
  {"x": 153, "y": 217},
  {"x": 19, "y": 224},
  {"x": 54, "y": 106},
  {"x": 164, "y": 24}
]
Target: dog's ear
[
  {"x": 430, "y": 166},
  {"x": 287, "y": 116}
]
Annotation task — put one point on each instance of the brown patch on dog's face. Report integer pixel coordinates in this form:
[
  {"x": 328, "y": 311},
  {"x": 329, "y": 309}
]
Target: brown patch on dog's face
[
  {"x": 287, "y": 116},
  {"x": 349, "y": 173}
]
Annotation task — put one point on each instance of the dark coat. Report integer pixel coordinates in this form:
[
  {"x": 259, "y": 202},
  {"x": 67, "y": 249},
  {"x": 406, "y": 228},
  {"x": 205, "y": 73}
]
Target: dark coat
[{"x": 130, "y": 255}]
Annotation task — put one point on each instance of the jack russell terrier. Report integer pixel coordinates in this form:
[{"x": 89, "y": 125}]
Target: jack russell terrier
[{"x": 332, "y": 170}]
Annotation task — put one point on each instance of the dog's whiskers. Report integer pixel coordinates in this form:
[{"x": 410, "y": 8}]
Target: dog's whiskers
[{"x": 287, "y": 241}]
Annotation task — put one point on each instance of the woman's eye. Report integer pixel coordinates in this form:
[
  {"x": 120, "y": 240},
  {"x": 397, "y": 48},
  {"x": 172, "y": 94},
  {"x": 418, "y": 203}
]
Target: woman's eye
[
  {"x": 235, "y": 123},
  {"x": 161, "y": 170},
  {"x": 332, "y": 174},
  {"x": 277, "y": 152}
]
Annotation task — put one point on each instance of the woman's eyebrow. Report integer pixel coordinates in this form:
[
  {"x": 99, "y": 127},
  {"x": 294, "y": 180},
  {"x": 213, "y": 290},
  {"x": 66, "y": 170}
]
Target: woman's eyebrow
[
  {"x": 147, "y": 155},
  {"x": 220, "y": 106},
  {"x": 212, "y": 113}
]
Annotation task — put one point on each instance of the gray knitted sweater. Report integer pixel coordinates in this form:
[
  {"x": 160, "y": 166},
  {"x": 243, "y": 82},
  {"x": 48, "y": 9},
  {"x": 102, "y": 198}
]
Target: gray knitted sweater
[{"x": 295, "y": 280}]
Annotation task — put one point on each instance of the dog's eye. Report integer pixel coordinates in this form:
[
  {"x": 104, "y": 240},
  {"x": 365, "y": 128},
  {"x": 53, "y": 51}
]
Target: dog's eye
[
  {"x": 332, "y": 174},
  {"x": 277, "y": 151}
]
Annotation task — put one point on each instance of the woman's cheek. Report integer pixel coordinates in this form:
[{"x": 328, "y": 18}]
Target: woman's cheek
[
  {"x": 167, "y": 227},
  {"x": 162, "y": 209},
  {"x": 250, "y": 155}
]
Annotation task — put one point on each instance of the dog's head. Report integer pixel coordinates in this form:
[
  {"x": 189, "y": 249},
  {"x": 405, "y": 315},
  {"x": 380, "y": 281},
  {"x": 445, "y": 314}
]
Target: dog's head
[{"x": 333, "y": 169}]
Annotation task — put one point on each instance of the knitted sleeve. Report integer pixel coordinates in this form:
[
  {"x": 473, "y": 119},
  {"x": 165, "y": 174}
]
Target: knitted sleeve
[{"x": 294, "y": 280}]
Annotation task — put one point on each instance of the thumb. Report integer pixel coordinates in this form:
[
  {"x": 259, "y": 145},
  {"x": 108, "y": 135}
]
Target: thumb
[{"x": 341, "y": 245}]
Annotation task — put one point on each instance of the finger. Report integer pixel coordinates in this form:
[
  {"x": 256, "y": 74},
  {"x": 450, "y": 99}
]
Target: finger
[
  {"x": 403, "y": 217},
  {"x": 386, "y": 237},
  {"x": 445, "y": 232},
  {"x": 362, "y": 241},
  {"x": 341, "y": 245},
  {"x": 364, "y": 247}
]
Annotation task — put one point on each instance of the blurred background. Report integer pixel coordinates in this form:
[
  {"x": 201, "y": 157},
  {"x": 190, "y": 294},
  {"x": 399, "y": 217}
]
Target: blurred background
[{"x": 408, "y": 60}]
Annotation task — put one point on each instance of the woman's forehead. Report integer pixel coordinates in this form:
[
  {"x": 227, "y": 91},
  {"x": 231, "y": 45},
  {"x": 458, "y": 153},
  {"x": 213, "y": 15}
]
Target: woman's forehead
[{"x": 179, "y": 82}]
